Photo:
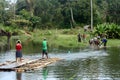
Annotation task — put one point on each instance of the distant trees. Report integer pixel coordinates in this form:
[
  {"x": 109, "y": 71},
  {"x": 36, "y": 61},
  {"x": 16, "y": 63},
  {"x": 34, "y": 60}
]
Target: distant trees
[
  {"x": 59, "y": 13},
  {"x": 113, "y": 11},
  {"x": 4, "y": 6}
]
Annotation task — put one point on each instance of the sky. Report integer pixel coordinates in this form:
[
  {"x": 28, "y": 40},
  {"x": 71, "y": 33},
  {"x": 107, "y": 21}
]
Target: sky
[{"x": 12, "y": 1}]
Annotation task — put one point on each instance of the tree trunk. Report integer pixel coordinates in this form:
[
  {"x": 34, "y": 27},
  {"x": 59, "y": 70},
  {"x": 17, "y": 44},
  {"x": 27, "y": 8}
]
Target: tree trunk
[
  {"x": 30, "y": 7},
  {"x": 8, "y": 41},
  {"x": 72, "y": 18}
]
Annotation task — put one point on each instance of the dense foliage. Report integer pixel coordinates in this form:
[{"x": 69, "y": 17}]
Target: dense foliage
[
  {"x": 31, "y": 14},
  {"x": 110, "y": 30},
  {"x": 59, "y": 13}
]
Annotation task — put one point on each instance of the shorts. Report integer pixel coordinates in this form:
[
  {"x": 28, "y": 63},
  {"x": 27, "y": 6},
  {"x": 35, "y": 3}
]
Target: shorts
[
  {"x": 44, "y": 52},
  {"x": 105, "y": 43},
  {"x": 18, "y": 54}
]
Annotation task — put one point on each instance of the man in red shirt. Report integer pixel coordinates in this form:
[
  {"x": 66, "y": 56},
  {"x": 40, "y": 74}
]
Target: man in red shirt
[{"x": 18, "y": 51}]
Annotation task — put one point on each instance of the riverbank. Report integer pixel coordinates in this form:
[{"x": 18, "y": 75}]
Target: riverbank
[
  {"x": 56, "y": 38},
  {"x": 63, "y": 38},
  {"x": 66, "y": 38}
]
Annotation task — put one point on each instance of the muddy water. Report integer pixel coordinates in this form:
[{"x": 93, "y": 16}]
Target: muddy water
[{"x": 77, "y": 64}]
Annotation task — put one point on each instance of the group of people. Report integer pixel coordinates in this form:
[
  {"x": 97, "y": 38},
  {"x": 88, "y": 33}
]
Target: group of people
[
  {"x": 95, "y": 42},
  {"x": 19, "y": 50},
  {"x": 98, "y": 42}
]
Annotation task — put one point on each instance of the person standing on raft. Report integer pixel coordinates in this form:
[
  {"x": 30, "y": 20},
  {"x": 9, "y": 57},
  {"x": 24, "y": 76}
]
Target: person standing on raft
[
  {"x": 44, "y": 48},
  {"x": 18, "y": 51}
]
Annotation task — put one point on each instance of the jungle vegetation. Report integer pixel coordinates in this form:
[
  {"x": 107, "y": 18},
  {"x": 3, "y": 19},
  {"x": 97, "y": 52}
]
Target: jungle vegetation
[
  {"x": 29, "y": 15},
  {"x": 58, "y": 13}
]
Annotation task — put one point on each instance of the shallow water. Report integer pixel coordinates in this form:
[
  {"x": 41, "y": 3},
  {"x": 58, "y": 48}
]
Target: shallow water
[{"x": 76, "y": 65}]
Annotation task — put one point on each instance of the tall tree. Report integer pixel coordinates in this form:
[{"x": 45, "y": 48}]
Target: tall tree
[
  {"x": 4, "y": 6},
  {"x": 8, "y": 31},
  {"x": 31, "y": 4},
  {"x": 113, "y": 11}
]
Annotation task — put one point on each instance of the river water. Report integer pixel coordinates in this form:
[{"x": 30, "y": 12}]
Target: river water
[{"x": 87, "y": 64}]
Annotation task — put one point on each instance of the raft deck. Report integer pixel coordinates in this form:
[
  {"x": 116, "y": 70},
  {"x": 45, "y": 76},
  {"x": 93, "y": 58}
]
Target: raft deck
[{"x": 27, "y": 65}]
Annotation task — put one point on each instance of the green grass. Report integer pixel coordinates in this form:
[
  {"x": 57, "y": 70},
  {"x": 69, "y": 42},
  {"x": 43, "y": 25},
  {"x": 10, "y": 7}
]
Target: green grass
[
  {"x": 66, "y": 38},
  {"x": 61, "y": 38},
  {"x": 56, "y": 38},
  {"x": 113, "y": 42}
]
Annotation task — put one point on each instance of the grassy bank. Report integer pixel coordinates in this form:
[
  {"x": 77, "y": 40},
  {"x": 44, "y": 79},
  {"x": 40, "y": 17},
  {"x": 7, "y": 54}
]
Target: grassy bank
[
  {"x": 56, "y": 38},
  {"x": 113, "y": 42},
  {"x": 62, "y": 38},
  {"x": 65, "y": 38}
]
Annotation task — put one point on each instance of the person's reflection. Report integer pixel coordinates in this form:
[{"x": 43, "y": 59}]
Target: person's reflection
[
  {"x": 18, "y": 75},
  {"x": 45, "y": 73}
]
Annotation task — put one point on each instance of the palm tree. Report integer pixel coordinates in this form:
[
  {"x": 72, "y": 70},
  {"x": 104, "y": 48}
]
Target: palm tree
[{"x": 7, "y": 31}]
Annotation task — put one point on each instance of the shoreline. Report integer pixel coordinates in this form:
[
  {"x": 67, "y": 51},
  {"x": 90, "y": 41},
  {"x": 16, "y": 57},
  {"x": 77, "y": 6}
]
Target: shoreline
[{"x": 65, "y": 38}]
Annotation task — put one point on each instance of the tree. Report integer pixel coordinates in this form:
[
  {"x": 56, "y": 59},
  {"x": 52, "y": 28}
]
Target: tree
[
  {"x": 3, "y": 7},
  {"x": 66, "y": 13},
  {"x": 30, "y": 4},
  {"x": 113, "y": 11},
  {"x": 8, "y": 31}
]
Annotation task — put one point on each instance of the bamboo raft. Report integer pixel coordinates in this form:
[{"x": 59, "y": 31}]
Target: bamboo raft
[{"x": 26, "y": 64}]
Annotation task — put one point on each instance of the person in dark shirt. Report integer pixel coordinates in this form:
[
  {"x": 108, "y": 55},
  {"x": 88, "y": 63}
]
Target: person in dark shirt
[
  {"x": 79, "y": 37},
  {"x": 104, "y": 42}
]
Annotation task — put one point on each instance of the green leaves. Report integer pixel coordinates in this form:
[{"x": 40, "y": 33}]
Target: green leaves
[
  {"x": 61, "y": 13},
  {"x": 111, "y": 30}
]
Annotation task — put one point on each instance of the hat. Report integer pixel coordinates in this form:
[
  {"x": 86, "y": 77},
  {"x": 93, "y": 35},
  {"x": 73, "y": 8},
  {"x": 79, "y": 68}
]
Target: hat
[
  {"x": 18, "y": 41},
  {"x": 44, "y": 38}
]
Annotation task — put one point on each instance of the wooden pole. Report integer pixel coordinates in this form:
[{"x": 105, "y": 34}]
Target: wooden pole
[{"x": 91, "y": 15}]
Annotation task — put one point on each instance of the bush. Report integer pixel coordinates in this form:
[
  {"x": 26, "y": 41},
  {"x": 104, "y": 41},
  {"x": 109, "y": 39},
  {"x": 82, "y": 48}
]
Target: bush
[{"x": 111, "y": 30}]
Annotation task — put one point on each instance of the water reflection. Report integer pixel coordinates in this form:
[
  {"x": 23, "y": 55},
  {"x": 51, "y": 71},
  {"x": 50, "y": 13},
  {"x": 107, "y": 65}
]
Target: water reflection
[
  {"x": 45, "y": 73},
  {"x": 18, "y": 76},
  {"x": 72, "y": 70},
  {"x": 113, "y": 61},
  {"x": 79, "y": 65}
]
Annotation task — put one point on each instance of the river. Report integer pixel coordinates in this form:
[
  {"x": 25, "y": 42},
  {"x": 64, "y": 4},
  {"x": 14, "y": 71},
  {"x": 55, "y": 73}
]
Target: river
[{"x": 86, "y": 64}]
